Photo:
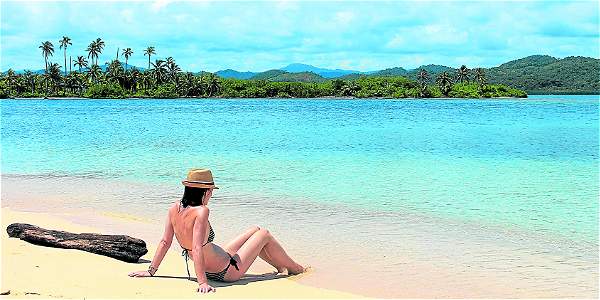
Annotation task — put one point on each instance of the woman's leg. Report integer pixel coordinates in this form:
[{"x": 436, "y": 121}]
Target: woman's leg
[
  {"x": 235, "y": 245},
  {"x": 259, "y": 241}
]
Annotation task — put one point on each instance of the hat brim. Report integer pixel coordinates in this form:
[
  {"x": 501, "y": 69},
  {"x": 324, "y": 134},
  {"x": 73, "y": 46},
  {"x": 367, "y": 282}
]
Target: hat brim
[{"x": 199, "y": 185}]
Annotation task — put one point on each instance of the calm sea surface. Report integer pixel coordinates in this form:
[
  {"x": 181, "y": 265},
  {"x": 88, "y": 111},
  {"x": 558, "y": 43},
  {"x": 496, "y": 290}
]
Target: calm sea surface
[{"x": 528, "y": 168}]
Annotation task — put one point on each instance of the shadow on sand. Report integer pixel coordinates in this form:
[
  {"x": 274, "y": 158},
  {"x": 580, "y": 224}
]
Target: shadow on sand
[{"x": 248, "y": 278}]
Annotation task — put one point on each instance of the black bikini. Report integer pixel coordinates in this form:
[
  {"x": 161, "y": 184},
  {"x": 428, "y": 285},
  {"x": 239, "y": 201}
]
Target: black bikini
[{"x": 219, "y": 276}]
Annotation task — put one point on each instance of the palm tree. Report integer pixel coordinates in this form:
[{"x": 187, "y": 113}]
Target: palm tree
[
  {"x": 11, "y": 78},
  {"x": 64, "y": 43},
  {"x": 28, "y": 75},
  {"x": 53, "y": 75},
  {"x": 80, "y": 80},
  {"x": 463, "y": 74},
  {"x": 71, "y": 82},
  {"x": 127, "y": 52},
  {"x": 213, "y": 85},
  {"x": 444, "y": 81},
  {"x": 134, "y": 78},
  {"x": 100, "y": 47},
  {"x": 95, "y": 72},
  {"x": 423, "y": 76},
  {"x": 146, "y": 77},
  {"x": 172, "y": 70},
  {"x": 196, "y": 85},
  {"x": 159, "y": 70},
  {"x": 480, "y": 76},
  {"x": 115, "y": 72},
  {"x": 149, "y": 51},
  {"x": 92, "y": 50},
  {"x": 47, "y": 50},
  {"x": 81, "y": 62}
]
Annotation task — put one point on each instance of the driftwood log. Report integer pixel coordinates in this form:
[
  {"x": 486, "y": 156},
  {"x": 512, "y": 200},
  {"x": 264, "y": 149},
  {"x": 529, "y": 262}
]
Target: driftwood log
[{"x": 121, "y": 247}]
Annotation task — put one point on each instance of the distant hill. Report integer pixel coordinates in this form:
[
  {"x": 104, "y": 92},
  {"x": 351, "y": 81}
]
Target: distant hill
[
  {"x": 229, "y": 73},
  {"x": 536, "y": 74},
  {"x": 326, "y": 73},
  {"x": 547, "y": 75},
  {"x": 283, "y": 76},
  {"x": 397, "y": 71},
  {"x": 267, "y": 75}
]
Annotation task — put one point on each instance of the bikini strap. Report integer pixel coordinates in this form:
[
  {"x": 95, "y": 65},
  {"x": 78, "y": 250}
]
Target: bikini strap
[
  {"x": 233, "y": 262},
  {"x": 186, "y": 254}
]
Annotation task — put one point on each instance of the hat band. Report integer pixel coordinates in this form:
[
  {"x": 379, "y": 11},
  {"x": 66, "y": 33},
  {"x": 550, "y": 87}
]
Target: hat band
[{"x": 201, "y": 182}]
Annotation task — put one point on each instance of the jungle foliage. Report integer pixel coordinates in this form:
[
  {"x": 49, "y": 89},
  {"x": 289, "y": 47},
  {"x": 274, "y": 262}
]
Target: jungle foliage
[{"x": 165, "y": 79}]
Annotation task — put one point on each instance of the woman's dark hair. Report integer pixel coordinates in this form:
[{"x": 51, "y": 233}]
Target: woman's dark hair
[{"x": 192, "y": 196}]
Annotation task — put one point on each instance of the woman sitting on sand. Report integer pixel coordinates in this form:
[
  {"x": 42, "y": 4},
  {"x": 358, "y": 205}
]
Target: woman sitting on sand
[{"x": 188, "y": 220}]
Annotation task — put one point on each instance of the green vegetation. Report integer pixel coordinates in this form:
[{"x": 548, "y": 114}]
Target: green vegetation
[
  {"x": 537, "y": 74},
  {"x": 542, "y": 74},
  {"x": 165, "y": 79},
  {"x": 105, "y": 90}
]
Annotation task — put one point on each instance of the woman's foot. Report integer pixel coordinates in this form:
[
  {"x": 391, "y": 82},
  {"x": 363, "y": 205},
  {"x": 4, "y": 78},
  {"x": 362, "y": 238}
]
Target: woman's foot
[{"x": 298, "y": 269}]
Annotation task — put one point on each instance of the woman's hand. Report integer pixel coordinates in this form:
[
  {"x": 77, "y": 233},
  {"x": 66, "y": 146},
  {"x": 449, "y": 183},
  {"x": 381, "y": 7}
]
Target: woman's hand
[
  {"x": 140, "y": 274},
  {"x": 206, "y": 288}
]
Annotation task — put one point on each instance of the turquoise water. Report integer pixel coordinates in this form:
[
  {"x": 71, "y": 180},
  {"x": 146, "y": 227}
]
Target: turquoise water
[{"x": 527, "y": 164}]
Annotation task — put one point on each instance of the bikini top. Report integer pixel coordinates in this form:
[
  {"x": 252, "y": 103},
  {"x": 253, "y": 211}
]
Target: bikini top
[{"x": 211, "y": 235}]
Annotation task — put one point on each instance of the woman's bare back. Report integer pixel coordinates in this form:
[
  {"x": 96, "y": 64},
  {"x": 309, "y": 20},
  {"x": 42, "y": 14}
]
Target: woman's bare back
[{"x": 182, "y": 220}]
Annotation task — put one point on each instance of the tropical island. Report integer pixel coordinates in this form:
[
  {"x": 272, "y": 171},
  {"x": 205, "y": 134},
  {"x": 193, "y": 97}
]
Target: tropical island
[{"x": 165, "y": 79}]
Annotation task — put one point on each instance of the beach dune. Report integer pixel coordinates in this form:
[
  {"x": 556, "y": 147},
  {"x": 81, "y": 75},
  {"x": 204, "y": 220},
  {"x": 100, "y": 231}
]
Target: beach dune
[{"x": 36, "y": 271}]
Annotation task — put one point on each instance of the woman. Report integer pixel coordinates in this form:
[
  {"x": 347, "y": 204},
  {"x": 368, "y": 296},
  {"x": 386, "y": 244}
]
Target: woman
[{"x": 188, "y": 220}]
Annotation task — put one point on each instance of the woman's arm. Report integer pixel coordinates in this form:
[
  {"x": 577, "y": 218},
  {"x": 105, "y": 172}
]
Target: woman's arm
[
  {"x": 199, "y": 233},
  {"x": 163, "y": 247}
]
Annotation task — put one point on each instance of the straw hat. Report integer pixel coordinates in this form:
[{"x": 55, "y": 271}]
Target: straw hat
[{"x": 199, "y": 178}]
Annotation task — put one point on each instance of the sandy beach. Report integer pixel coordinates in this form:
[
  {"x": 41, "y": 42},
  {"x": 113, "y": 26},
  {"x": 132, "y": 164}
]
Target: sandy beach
[{"x": 34, "y": 271}]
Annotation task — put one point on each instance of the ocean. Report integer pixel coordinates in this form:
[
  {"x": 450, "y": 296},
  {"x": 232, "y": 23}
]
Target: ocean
[{"x": 484, "y": 191}]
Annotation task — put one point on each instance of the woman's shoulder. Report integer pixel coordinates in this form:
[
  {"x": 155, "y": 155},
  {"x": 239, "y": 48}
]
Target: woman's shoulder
[
  {"x": 195, "y": 210},
  {"x": 200, "y": 210}
]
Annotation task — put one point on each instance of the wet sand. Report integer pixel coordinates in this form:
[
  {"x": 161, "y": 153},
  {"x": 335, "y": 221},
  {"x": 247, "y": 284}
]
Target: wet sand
[{"x": 372, "y": 253}]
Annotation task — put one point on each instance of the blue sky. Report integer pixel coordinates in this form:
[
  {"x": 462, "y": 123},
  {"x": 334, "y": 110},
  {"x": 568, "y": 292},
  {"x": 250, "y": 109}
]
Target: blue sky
[{"x": 261, "y": 35}]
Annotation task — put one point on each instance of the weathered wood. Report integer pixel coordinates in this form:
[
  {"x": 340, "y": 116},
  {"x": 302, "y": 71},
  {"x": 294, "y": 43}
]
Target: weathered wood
[{"x": 121, "y": 247}]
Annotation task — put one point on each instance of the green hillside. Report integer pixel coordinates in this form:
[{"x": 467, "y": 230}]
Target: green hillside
[
  {"x": 548, "y": 75},
  {"x": 267, "y": 75},
  {"x": 536, "y": 74},
  {"x": 283, "y": 76},
  {"x": 398, "y": 71}
]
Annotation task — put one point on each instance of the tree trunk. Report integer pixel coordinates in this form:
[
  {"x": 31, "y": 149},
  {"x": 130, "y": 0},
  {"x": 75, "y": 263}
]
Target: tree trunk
[
  {"x": 121, "y": 247},
  {"x": 65, "y": 61}
]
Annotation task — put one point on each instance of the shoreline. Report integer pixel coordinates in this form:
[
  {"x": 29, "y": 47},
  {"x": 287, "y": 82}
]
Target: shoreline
[
  {"x": 57, "y": 272},
  {"x": 426, "y": 250},
  {"x": 263, "y": 98}
]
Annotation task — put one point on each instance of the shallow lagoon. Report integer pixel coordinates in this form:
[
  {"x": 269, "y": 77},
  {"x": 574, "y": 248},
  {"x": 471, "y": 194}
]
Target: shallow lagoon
[{"x": 430, "y": 179}]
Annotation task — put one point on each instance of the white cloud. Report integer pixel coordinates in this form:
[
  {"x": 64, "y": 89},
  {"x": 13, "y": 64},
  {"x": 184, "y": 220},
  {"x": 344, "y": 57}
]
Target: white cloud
[{"x": 158, "y": 5}]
